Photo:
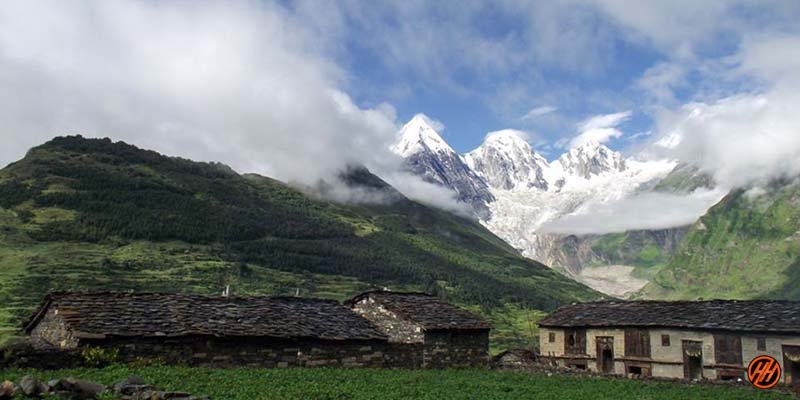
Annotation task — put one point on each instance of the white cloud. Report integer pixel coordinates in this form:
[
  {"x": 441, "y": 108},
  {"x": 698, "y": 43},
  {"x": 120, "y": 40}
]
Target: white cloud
[
  {"x": 605, "y": 121},
  {"x": 437, "y": 125},
  {"x": 538, "y": 112},
  {"x": 235, "y": 82},
  {"x": 650, "y": 210},
  {"x": 771, "y": 58},
  {"x": 600, "y": 128},
  {"x": 509, "y": 132},
  {"x": 661, "y": 80},
  {"x": 741, "y": 140},
  {"x": 230, "y": 81},
  {"x": 427, "y": 193},
  {"x": 749, "y": 138}
]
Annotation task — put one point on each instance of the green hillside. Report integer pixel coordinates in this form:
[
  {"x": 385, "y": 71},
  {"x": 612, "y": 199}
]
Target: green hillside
[
  {"x": 684, "y": 178},
  {"x": 81, "y": 213},
  {"x": 746, "y": 246}
]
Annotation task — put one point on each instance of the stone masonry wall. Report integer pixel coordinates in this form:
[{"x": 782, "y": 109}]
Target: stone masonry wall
[
  {"x": 274, "y": 353},
  {"x": 52, "y": 333},
  {"x": 455, "y": 349},
  {"x": 403, "y": 355},
  {"x": 408, "y": 346},
  {"x": 398, "y": 330},
  {"x": 266, "y": 353}
]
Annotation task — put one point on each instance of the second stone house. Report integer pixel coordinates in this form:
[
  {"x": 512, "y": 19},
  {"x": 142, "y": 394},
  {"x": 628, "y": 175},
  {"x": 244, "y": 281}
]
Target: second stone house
[
  {"x": 693, "y": 340},
  {"x": 434, "y": 332}
]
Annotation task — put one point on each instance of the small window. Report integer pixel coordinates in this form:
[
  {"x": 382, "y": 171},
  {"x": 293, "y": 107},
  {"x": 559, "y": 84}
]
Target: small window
[
  {"x": 551, "y": 337},
  {"x": 761, "y": 344},
  {"x": 571, "y": 340},
  {"x": 665, "y": 340}
]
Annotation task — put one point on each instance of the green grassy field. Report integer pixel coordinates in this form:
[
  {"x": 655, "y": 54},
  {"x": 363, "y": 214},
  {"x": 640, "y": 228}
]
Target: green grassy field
[{"x": 255, "y": 384}]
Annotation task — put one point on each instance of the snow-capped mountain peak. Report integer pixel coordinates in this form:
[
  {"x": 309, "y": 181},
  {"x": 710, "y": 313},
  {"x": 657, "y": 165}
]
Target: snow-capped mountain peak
[
  {"x": 418, "y": 135},
  {"x": 517, "y": 193},
  {"x": 591, "y": 158},
  {"x": 427, "y": 155},
  {"x": 506, "y": 161}
]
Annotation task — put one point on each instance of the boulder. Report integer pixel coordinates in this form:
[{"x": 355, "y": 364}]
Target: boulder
[
  {"x": 129, "y": 385},
  {"x": 88, "y": 389},
  {"x": 72, "y": 388},
  {"x": 59, "y": 385},
  {"x": 30, "y": 386},
  {"x": 7, "y": 390}
]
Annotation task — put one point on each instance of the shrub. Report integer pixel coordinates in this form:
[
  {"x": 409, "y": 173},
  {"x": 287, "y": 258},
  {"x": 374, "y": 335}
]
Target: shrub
[{"x": 99, "y": 356}]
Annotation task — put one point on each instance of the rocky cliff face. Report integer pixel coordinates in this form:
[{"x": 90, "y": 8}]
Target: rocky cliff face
[{"x": 633, "y": 248}]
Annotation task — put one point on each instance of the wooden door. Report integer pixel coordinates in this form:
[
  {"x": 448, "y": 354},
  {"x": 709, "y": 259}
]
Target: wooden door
[
  {"x": 605, "y": 354},
  {"x": 692, "y": 360},
  {"x": 791, "y": 365}
]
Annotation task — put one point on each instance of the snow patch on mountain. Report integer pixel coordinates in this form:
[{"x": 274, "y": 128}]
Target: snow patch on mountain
[
  {"x": 591, "y": 158},
  {"x": 518, "y": 215}
]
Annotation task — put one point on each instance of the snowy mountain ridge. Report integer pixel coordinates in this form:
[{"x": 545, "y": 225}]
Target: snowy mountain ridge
[
  {"x": 518, "y": 193},
  {"x": 427, "y": 155},
  {"x": 519, "y": 187},
  {"x": 506, "y": 161}
]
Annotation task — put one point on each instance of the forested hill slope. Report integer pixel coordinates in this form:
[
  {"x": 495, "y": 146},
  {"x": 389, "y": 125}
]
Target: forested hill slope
[
  {"x": 747, "y": 246},
  {"x": 81, "y": 213}
]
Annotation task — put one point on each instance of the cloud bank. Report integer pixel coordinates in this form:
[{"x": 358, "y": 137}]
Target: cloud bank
[
  {"x": 238, "y": 82},
  {"x": 643, "y": 211},
  {"x": 748, "y": 138}
]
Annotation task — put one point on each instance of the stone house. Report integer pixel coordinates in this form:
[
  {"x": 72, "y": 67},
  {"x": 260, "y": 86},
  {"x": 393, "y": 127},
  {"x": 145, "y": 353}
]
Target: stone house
[
  {"x": 213, "y": 331},
  {"x": 693, "y": 340},
  {"x": 432, "y": 332}
]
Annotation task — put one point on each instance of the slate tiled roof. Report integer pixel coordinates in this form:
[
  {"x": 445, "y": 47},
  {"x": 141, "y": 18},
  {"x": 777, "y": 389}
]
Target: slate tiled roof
[
  {"x": 728, "y": 315},
  {"x": 160, "y": 314},
  {"x": 428, "y": 311}
]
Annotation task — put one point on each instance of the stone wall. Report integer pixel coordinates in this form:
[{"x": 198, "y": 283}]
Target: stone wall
[
  {"x": 449, "y": 349},
  {"x": 258, "y": 352},
  {"x": 403, "y": 355},
  {"x": 408, "y": 346},
  {"x": 52, "y": 333},
  {"x": 398, "y": 330},
  {"x": 225, "y": 353}
]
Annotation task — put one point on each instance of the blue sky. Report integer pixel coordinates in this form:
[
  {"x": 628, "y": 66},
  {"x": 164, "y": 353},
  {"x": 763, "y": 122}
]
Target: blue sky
[
  {"x": 482, "y": 66},
  {"x": 298, "y": 90}
]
